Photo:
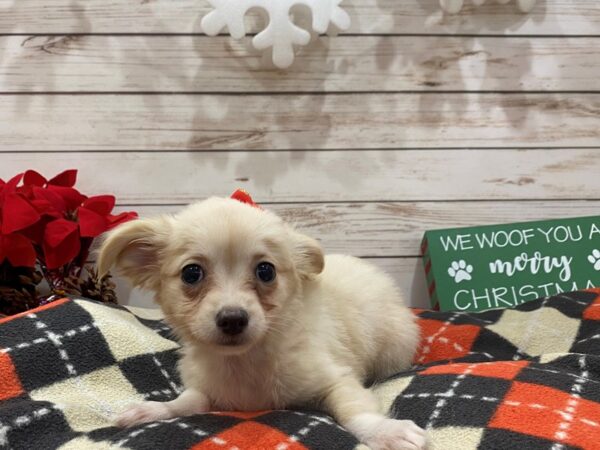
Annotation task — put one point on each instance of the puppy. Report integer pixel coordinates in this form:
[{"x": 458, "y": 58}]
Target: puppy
[{"x": 265, "y": 320}]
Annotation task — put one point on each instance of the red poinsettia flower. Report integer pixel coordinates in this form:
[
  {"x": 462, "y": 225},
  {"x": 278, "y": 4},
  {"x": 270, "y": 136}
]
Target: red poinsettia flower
[
  {"x": 49, "y": 226},
  {"x": 18, "y": 250},
  {"x": 54, "y": 196},
  {"x": 55, "y": 216},
  {"x": 16, "y": 214},
  {"x": 94, "y": 215},
  {"x": 61, "y": 244},
  {"x": 62, "y": 238}
]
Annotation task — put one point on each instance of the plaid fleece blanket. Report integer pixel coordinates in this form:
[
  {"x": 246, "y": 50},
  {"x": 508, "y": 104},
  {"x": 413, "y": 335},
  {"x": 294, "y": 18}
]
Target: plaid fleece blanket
[{"x": 525, "y": 378}]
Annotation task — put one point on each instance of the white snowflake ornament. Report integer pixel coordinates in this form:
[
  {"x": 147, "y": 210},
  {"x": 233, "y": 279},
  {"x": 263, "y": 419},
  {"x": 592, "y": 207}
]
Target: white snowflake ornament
[
  {"x": 454, "y": 6},
  {"x": 281, "y": 33}
]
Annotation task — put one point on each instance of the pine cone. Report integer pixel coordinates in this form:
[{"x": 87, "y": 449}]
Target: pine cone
[
  {"x": 18, "y": 288},
  {"x": 92, "y": 287}
]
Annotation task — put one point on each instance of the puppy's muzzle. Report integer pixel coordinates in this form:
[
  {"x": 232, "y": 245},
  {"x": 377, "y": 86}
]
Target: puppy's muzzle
[{"x": 232, "y": 321}]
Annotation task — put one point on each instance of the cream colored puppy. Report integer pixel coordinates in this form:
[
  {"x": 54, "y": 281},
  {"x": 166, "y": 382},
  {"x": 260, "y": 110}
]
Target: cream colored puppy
[{"x": 265, "y": 320}]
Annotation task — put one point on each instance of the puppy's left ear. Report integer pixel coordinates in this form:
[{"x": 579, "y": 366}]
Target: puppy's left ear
[
  {"x": 134, "y": 248},
  {"x": 307, "y": 254}
]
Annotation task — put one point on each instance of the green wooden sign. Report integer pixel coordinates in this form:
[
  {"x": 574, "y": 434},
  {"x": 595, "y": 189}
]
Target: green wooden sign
[{"x": 502, "y": 266}]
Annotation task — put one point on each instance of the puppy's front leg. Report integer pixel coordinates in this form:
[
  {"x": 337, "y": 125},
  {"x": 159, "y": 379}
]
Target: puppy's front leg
[
  {"x": 188, "y": 403},
  {"x": 356, "y": 409}
]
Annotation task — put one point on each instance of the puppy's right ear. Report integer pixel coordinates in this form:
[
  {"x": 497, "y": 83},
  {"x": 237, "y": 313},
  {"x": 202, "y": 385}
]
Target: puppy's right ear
[
  {"x": 134, "y": 248},
  {"x": 307, "y": 254}
]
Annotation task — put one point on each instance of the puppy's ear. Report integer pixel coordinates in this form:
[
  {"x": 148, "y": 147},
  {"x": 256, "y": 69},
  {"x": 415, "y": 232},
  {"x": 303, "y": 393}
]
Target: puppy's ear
[
  {"x": 133, "y": 248},
  {"x": 307, "y": 254}
]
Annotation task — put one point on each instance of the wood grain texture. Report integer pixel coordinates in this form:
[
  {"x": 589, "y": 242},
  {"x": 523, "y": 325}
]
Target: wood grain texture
[
  {"x": 388, "y": 171},
  {"x": 401, "y": 175},
  {"x": 344, "y": 121},
  {"x": 341, "y": 64},
  {"x": 396, "y": 229},
  {"x": 408, "y": 274},
  {"x": 549, "y": 17}
]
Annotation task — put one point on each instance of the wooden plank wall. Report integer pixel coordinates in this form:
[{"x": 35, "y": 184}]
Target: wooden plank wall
[{"x": 409, "y": 121}]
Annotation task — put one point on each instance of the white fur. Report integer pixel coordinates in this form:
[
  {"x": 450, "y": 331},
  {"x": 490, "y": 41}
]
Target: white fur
[
  {"x": 382, "y": 433},
  {"x": 324, "y": 328}
]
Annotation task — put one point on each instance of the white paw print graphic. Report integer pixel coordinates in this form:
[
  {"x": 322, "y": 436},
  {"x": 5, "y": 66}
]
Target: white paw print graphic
[
  {"x": 460, "y": 271},
  {"x": 594, "y": 259}
]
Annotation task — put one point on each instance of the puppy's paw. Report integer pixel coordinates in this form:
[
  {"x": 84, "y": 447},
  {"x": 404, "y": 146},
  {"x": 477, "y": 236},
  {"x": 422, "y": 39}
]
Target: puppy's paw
[
  {"x": 143, "y": 413},
  {"x": 392, "y": 434}
]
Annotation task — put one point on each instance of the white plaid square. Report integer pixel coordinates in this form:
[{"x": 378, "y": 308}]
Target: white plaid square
[
  {"x": 92, "y": 400},
  {"x": 117, "y": 324}
]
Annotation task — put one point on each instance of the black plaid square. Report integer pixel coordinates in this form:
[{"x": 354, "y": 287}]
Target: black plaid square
[
  {"x": 450, "y": 400},
  {"x": 19, "y": 331},
  {"x": 588, "y": 338},
  {"x": 483, "y": 318},
  {"x": 181, "y": 433},
  {"x": 506, "y": 439},
  {"x": 27, "y": 424},
  {"x": 563, "y": 373},
  {"x": 58, "y": 351},
  {"x": 160, "y": 327},
  {"x": 48, "y": 368},
  {"x": 474, "y": 402},
  {"x": 69, "y": 316},
  {"x": 497, "y": 347},
  {"x": 154, "y": 375}
]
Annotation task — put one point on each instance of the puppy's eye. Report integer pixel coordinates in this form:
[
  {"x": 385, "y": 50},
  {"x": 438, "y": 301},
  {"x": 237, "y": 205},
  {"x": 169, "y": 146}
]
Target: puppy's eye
[
  {"x": 192, "y": 274},
  {"x": 265, "y": 272}
]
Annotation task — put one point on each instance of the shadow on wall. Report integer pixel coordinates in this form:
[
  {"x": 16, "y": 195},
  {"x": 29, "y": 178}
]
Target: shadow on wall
[
  {"x": 419, "y": 297},
  {"x": 490, "y": 18},
  {"x": 40, "y": 43},
  {"x": 278, "y": 116},
  {"x": 441, "y": 68},
  {"x": 433, "y": 70},
  {"x": 276, "y": 106}
]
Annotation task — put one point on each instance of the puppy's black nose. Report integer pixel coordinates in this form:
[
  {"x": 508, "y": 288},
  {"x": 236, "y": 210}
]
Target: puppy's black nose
[{"x": 232, "y": 321}]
